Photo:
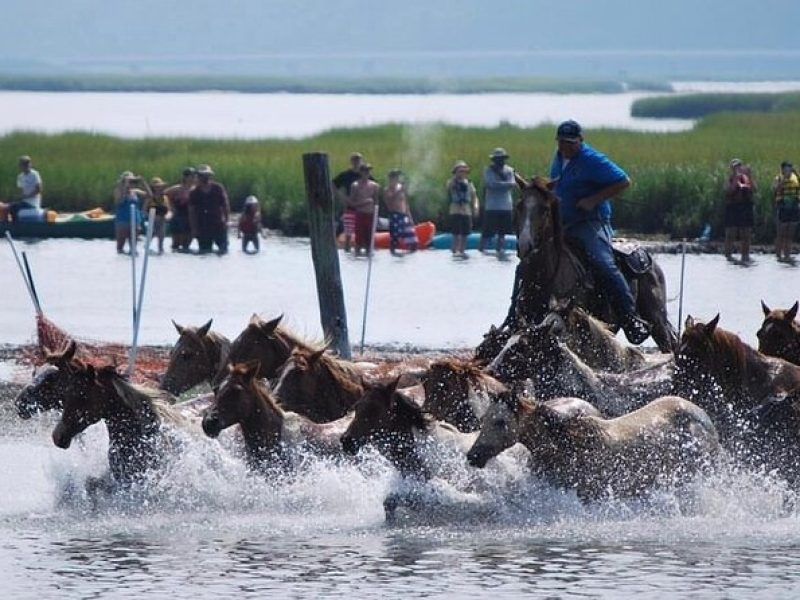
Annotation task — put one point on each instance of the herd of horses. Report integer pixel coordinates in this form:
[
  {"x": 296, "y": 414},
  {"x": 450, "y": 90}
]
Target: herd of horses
[{"x": 595, "y": 416}]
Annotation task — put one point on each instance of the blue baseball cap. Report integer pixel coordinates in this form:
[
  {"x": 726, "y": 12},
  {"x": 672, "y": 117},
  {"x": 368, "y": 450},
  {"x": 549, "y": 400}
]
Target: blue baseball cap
[{"x": 570, "y": 131}]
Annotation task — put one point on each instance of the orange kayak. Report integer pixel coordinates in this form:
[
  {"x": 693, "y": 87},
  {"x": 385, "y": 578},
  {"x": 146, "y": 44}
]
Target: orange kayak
[{"x": 425, "y": 232}]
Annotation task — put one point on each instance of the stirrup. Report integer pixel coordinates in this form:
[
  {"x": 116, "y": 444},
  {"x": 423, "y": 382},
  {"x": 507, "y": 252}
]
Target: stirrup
[{"x": 636, "y": 330}]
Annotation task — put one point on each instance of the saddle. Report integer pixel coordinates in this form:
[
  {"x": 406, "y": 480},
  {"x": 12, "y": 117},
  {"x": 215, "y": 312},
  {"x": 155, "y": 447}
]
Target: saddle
[{"x": 631, "y": 258}]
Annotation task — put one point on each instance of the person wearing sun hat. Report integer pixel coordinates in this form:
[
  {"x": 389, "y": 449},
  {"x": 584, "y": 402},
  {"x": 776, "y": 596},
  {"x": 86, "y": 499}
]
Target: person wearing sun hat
[
  {"x": 739, "y": 190},
  {"x": 585, "y": 180},
  {"x": 209, "y": 211},
  {"x": 462, "y": 200},
  {"x": 363, "y": 199},
  {"x": 160, "y": 202},
  {"x": 498, "y": 182}
]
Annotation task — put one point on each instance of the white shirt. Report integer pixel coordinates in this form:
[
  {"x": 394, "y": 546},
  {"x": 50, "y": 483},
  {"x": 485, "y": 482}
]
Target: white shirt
[{"x": 27, "y": 182}]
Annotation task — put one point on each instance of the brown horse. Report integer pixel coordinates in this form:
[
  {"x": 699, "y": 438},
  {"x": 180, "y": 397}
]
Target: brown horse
[
  {"x": 197, "y": 356},
  {"x": 458, "y": 392},
  {"x": 318, "y": 385},
  {"x": 548, "y": 267},
  {"x": 592, "y": 340},
  {"x": 725, "y": 376},
  {"x": 535, "y": 354},
  {"x": 492, "y": 342},
  {"x": 665, "y": 443},
  {"x": 135, "y": 417},
  {"x": 779, "y": 335},
  {"x": 268, "y": 431},
  {"x": 775, "y": 437}
]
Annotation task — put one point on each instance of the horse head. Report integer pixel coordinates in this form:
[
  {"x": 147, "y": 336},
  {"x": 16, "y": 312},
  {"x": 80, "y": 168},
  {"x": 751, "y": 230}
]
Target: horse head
[
  {"x": 262, "y": 341},
  {"x": 537, "y": 217},
  {"x": 52, "y": 382},
  {"x": 447, "y": 391},
  {"x": 779, "y": 334},
  {"x": 84, "y": 405},
  {"x": 499, "y": 429},
  {"x": 528, "y": 353},
  {"x": 493, "y": 341},
  {"x": 193, "y": 359}
]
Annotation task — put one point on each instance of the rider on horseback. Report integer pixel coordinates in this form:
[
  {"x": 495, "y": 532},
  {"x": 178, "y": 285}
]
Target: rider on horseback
[{"x": 584, "y": 181}]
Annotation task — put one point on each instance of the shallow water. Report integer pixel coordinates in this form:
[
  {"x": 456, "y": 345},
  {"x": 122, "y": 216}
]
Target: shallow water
[{"x": 209, "y": 528}]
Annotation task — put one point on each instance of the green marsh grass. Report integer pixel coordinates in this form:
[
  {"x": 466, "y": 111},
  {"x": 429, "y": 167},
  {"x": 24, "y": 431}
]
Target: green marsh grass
[{"x": 677, "y": 177}]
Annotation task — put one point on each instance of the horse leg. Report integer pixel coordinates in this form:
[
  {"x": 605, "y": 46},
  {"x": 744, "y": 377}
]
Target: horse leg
[{"x": 651, "y": 304}]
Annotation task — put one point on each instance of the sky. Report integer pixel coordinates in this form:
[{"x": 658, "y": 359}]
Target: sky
[{"x": 270, "y": 35}]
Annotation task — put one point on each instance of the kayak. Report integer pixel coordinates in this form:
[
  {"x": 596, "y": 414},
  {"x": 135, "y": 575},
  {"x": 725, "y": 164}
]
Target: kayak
[
  {"x": 444, "y": 241},
  {"x": 425, "y": 233},
  {"x": 71, "y": 228}
]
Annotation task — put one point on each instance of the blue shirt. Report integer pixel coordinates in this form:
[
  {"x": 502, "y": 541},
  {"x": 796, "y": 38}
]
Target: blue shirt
[
  {"x": 585, "y": 174},
  {"x": 122, "y": 213}
]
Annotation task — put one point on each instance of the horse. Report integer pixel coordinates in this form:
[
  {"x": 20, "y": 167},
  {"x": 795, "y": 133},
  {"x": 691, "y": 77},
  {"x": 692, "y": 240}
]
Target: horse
[
  {"x": 727, "y": 377},
  {"x": 197, "y": 356},
  {"x": 492, "y": 342},
  {"x": 536, "y": 354},
  {"x": 775, "y": 437},
  {"x": 244, "y": 399},
  {"x": 548, "y": 267},
  {"x": 401, "y": 431},
  {"x": 779, "y": 335},
  {"x": 318, "y": 385},
  {"x": 458, "y": 392},
  {"x": 592, "y": 340},
  {"x": 665, "y": 443},
  {"x": 136, "y": 418}
]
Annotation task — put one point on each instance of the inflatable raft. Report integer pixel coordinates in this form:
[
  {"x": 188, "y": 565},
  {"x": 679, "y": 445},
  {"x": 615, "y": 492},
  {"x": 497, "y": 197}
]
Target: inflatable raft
[
  {"x": 425, "y": 234},
  {"x": 443, "y": 241}
]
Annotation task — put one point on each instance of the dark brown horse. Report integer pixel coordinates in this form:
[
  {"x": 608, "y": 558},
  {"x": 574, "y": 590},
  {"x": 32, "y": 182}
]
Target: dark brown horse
[
  {"x": 726, "y": 377},
  {"x": 268, "y": 431},
  {"x": 665, "y": 443},
  {"x": 536, "y": 355},
  {"x": 134, "y": 415},
  {"x": 458, "y": 392},
  {"x": 779, "y": 335},
  {"x": 774, "y": 437},
  {"x": 492, "y": 342},
  {"x": 197, "y": 357},
  {"x": 548, "y": 267},
  {"x": 318, "y": 385}
]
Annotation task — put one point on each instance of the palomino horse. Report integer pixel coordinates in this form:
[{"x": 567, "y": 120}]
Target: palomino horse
[
  {"x": 549, "y": 268},
  {"x": 318, "y": 385},
  {"x": 458, "y": 392},
  {"x": 197, "y": 356},
  {"x": 725, "y": 376},
  {"x": 779, "y": 335},
  {"x": 537, "y": 355},
  {"x": 267, "y": 429},
  {"x": 592, "y": 340},
  {"x": 665, "y": 443},
  {"x": 135, "y": 417}
]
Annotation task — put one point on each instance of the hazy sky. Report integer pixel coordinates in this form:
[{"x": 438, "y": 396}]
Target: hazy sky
[{"x": 92, "y": 29}]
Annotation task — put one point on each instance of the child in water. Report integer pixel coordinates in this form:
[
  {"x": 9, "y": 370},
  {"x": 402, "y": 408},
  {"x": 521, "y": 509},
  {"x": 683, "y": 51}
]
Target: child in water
[{"x": 250, "y": 225}]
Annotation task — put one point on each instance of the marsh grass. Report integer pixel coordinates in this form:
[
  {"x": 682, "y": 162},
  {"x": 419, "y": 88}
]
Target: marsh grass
[
  {"x": 694, "y": 106},
  {"x": 677, "y": 176}
]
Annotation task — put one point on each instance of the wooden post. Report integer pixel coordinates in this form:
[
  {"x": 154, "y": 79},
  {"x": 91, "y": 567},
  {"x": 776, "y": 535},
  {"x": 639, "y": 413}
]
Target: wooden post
[{"x": 324, "y": 252}]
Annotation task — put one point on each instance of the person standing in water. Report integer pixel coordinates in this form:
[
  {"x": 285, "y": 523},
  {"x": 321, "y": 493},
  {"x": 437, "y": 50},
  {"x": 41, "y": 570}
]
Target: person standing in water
[
  {"x": 209, "y": 211},
  {"x": 739, "y": 190},
  {"x": 462, "y": 200},
  {"x": 363, "y": 200},
  {"x": 130, "y": 191},
  {"x": 178, "y": 195},
  {"x": 250, "y": 225},
  {"x": 160, "y": 203},
  {"x": 341, "y": 185},
  {"x": 787, "y": 210},
  {"x": 401, "y": 223}
]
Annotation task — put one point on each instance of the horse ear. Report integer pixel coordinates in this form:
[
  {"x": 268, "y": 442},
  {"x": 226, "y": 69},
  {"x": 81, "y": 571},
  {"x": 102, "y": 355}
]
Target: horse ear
[
  {"x": 765, "y": 308},
  {"x": 315, "y": 356},
  {"x": 255, "y": 320},
  {"x": 792, "y": 312},
  {"x": 267, "y": 327},
  {"x": 552, "y": 304},
  {"x": 570, "y": 305},
  {"x": 250, "y": 369},
  {"x": 203, "y": 331},
  {"x": 492, "y": 329},
  {"x": 689, "y": 323},
  {"x": 178, "y": 328},
  {"x": 712, "y": 325},
  {"x": 91, "y": 372},
  {"x": 63, "y": 357}
]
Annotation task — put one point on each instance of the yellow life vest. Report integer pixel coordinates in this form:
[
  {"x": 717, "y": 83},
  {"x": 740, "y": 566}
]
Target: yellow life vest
[{"x": 790, "y": 188}]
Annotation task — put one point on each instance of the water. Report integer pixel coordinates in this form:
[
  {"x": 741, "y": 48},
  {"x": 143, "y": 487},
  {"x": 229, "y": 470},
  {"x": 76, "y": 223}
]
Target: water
[{"x": 210, "y": 528}]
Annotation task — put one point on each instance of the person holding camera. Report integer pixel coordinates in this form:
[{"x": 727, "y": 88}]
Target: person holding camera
[
  {"x": 131, "y": 191},
  {"x": 209, "y": 211},
  {"x": 739, "y": 190}
]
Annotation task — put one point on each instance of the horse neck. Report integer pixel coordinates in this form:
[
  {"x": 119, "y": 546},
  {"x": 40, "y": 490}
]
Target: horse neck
[
  {"x": 339, "y": 398},
  {"x": 217, "y": 348},
  {"x": 262, "y": 427},
  {"x": 131, "y": 437},
  {"x": 400, "y": 449}
]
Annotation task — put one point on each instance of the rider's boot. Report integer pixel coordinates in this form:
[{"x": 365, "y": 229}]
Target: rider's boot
[{"x": 636, "y": 329}]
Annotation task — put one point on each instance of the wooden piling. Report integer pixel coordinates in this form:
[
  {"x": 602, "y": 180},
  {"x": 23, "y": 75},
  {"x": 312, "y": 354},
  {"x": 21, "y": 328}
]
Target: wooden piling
[{"x": 324, "y": 252}]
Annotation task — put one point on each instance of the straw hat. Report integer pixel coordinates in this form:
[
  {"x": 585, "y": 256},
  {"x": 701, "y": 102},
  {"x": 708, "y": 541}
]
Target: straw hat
[
  {"x": 499, "y": 153},
  {"x": 156, "y": 181},
  {"x": 459, "y": 164},
  {"x": 204, "y": 170}
]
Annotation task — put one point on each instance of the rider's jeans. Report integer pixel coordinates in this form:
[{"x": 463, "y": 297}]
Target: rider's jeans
[{"x": 595, "y": 238}]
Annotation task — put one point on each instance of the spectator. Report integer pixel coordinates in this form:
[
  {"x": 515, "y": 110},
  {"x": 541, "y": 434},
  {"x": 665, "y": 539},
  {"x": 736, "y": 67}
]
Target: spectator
[
  {"x": 401, "y": 223},
  {"x": 363, "y": 200},
  {"x": 250, "y": 225},
  {"x": 342, "y": 184},
  {"x": 160, "y": 202},
  {"x": 498, "y": 181},
  {"x": 739, "y": 190},
  {"x": 130, "y": 192},
  {"x": 29, "y": 183},
  {"x": 463, "y": 204},
  {"x": 178, "y": 196},
  {"x": 787, "y": 210},
  {"x": 209, "y": 211}
]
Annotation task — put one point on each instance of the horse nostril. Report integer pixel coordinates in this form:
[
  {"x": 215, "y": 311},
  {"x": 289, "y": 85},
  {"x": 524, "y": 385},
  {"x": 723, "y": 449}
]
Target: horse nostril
[
  {"x": 211, "y": 426},
  {"x": 60, "y": 439}
]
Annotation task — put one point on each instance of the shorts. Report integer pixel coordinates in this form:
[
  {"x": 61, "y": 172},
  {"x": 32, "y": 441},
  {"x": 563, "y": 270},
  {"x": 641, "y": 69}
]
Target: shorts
[
  {"x": 739, "y": 214},
  {"x": 179, "y": 224},
  {"x": 401, "y": 229},
  {"x": 788, "y": 212},
  {"x": 497, "y": 222},
  {"x": 363, "y": 229},
  {"x": 349, "y": 222},
  {"x": 460, "y": 224}
]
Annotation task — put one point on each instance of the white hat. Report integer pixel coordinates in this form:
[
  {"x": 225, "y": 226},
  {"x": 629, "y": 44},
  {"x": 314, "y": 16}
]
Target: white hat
[
  {"x": 250, "y": 200},
  {"x": 204, "y": 170}
]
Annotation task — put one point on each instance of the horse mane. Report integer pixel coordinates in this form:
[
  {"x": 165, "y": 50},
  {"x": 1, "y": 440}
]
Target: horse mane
[
  {"x": 293, "y": 340},
  {"x": 260, "y": 390},
  {"x": 409, "y": 411},
  {"x": 160, "y": 402},
  {"x": 730, "y": 351},
  {"x": 459, "y": 367},
  {"x": 542, "y": 184}
]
